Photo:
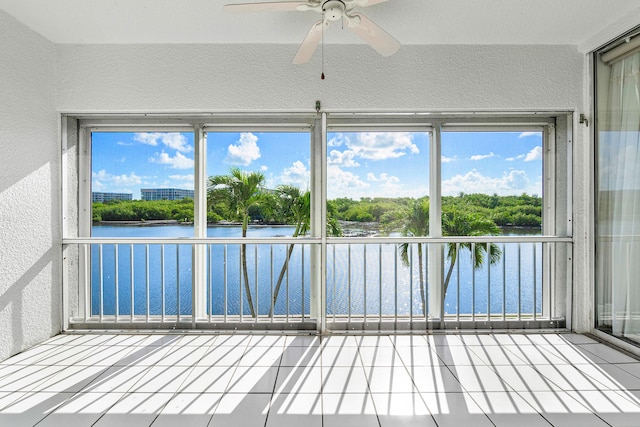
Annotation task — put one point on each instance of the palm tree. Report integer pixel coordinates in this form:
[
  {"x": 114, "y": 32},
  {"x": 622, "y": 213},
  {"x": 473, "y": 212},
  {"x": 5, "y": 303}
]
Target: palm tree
[
  {"x": 297, "y": 208},
  {"x": 241, "y": 190},
  {"x": 455, "y": 222},
  {"x": 416, "y": 223}
]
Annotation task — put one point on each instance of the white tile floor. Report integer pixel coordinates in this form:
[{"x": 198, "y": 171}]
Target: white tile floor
[{"x": 267, "y": 380}]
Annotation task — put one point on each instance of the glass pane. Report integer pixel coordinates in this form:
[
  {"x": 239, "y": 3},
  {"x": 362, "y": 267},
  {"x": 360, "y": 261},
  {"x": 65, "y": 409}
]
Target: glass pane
[
  {"x": 618, "y": 197},
  {"x": 258, "y": 186},
  {"x": 375, "y": 179},
  {"x": 142, "y": 186},
  {"x": 140, "y": 179},
  {"x": 261, "y": 179},
  {"x": 494, "y": 178},
  {"x": 492, "y": 185}
]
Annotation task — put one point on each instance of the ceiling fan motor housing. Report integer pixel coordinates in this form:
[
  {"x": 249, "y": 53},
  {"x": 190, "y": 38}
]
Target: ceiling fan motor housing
[{"x": 333, "y": 9}]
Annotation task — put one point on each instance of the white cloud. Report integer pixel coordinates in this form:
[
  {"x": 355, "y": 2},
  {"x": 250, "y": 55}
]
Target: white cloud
[
  {"x": 383, "y": 145},
  {"x": 513, "y": 182},
  {"x": 482, "y": 156},
  {"x": 180, "y": 161},
  {"x": 389, "y": 186},
  {"x": 344, "y": 184},
  {"x": 511, "y": 159},
  {"x": 173, "y": 140},
  {"x": 104, "y": 181},
  {"x": 534, "y": 154},
  {"x": 527, "y": 134},
  {"x": 147, "y": 138},
  {"x": 338, "y": 140},
  {"x": 445, "y": 159},
  {"x": 245, "y": 152},
  {"x": 264, "y": 168},
  {"x": 383, "y": 178},
  {"x": 297, "y": 175},
  {"x": 188, "y": 177},
  {"x": 342, "y": 158}
]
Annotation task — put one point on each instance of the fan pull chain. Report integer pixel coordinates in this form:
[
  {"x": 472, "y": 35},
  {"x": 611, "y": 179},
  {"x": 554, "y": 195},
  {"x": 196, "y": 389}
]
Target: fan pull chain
[{"x": 322, "y": 47}]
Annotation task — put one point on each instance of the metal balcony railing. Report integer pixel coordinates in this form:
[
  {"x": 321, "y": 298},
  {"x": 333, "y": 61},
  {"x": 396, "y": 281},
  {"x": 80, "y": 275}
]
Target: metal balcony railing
[{"x": 285, "y": 283}]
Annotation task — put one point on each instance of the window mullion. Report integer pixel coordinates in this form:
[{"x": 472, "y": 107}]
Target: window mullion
[
  {"x": 199, "y": 282},
  {"x": 436, "y": 265}
]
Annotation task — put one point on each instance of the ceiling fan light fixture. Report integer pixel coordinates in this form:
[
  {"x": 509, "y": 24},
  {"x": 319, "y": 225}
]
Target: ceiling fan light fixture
[{"x": 333, "y": 10}]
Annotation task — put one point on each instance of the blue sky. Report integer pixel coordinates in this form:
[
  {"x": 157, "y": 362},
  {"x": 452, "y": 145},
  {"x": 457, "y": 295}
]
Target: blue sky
[{"x": 362, "y": 164}]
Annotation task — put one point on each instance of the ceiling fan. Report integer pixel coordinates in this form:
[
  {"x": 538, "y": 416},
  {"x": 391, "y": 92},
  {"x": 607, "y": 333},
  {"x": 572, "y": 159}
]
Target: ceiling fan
[{"x": 332, "y": 10}]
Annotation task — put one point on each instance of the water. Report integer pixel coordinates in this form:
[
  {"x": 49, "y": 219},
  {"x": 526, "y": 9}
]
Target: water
[{"x": 381, "y": 284}]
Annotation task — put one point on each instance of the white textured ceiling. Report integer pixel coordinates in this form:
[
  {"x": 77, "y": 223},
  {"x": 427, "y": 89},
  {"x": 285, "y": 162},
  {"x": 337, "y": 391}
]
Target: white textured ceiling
[{"x": 410, "y": 21}]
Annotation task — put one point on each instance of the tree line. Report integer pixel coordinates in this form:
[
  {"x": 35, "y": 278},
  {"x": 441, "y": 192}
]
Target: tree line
[
  {"x": 504, "y": 211},
  {"x": 143, "y": 210}
]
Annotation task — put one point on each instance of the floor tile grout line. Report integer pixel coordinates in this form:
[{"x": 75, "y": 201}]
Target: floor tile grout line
[
  {"x": 74, "y": 394},
  {"x": 369, "y": 392},
  {"x": 469, "y": 348},
  {"x": 414, "y": 382},
  {"x": 546, "y": 379},
  {"x": 122, "y": 368},
  {"x": 275, "y": 382},
  {"x": 145, "y": 371},
  {"x": 186, "y": 376}
]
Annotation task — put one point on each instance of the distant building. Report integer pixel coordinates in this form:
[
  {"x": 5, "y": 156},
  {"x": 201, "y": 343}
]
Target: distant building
[
  {"x": 165, "y": 193},
  {"x": 100, "y": 197}
]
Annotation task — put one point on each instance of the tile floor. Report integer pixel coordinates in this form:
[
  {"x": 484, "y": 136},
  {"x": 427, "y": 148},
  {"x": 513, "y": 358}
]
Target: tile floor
[{"x": 268, "y": 380}]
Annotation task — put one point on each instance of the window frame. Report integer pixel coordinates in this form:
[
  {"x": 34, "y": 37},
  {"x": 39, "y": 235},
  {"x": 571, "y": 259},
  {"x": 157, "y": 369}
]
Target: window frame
[{"x": 319, "y": 123}]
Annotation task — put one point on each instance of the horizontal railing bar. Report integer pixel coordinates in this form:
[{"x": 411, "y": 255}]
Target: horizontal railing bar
[
  {"x": 332, "y": 240},
  {"x": 450, "y": 239},
  {"x": 187, "y": 241}
]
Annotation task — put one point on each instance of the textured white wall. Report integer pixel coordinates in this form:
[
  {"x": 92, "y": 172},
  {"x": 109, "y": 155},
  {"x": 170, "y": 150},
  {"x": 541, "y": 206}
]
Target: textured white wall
[
  {"x": 239, "y": 78},
  {"x": 29, "y": 208}
]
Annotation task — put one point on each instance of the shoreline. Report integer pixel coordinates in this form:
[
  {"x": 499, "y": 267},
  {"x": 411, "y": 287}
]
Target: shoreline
[
  {"x": 361, "y": 229},
  {"x": 162, "y": 222}
]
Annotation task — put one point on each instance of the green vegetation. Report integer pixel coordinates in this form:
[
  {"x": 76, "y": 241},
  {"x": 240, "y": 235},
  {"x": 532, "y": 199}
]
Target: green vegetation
[
  {"x": 460, "y": 222},
  {"x": 504, "y": 211},
  {"x": 142, "y": 210},
  {"x": 519, "y": 211}
]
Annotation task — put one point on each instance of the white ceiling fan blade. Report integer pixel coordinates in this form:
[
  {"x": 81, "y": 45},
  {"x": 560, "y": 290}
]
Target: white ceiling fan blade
[
  {"x": 370, "y": 32},
  {"x": 266, "y": 7},
  {"x": 309, "y": 44},
  {"x": 365, "y": 3}
]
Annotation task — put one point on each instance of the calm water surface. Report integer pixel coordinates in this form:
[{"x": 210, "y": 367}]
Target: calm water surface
[{"x": 159, "y": 279}]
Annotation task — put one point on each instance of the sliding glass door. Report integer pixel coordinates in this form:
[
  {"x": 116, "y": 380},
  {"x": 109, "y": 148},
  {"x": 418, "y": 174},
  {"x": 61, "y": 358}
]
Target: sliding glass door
[{"x": 618, "y": 190}]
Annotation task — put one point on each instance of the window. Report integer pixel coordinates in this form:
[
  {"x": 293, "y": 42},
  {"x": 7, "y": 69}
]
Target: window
[
  {"x": 258, "y": 186},
  {"x": 492, "y": 185},
  {"x": 142, "y": 186},
  {"x": 326, "y": 219}
]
